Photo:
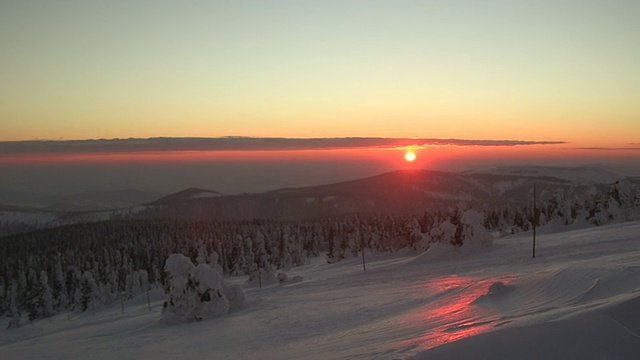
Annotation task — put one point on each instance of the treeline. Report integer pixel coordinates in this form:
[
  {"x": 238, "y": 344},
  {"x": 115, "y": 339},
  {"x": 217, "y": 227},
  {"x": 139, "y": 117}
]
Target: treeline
[
  {"x": 620, "y": 202},
  {"x": 75, "y": 267}
]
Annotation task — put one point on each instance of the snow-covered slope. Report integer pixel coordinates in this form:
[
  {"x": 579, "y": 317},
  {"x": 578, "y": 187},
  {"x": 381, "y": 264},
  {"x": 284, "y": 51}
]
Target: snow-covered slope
[
  {"x": 578, "y": 299},
  {"x": 77, "y": 202},
  {"x": 187, "y": 195},
  {"x": 20, "y": 221},
  {"x": 590, "y": 337}
]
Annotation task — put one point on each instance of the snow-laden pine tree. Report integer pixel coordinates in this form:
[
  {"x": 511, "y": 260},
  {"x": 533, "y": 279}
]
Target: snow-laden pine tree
[
  {"x": 47, "y": 297},
  {"x": 59, "y": 287},
  {"x": 14, "y": 310},
  {"x": 197, "y": 292},
  {"x": 446, "y": 232},
  {"x": 88, "y": 288},
  {"x": 4, "y": 301},
  {"x": 473, "y": 230},
  {"x": 133, "y": 284},
  {"x": 621, "y": 201},
  {"x": 35, "y": 302}
]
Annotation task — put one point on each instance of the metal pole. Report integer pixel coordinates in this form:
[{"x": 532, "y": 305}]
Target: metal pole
[
  {"x": 534, "y": 220},
  {"x": 148, "y": 298},
  {"x": 364, "y": 267}
]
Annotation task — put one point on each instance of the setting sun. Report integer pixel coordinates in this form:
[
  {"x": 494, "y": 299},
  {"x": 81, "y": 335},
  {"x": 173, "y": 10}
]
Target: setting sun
[{"x": 410, "y": 156}]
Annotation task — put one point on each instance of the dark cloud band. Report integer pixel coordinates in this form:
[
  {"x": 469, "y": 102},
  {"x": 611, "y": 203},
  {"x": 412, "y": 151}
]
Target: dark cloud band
[{"x": 238, "y": 143}]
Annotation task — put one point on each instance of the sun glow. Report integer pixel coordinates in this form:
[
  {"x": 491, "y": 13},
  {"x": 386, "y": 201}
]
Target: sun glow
[{"x": 410, "y": 156}]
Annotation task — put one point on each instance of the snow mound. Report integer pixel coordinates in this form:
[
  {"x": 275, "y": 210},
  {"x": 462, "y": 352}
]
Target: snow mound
[
  {"x": 284, "y": 279},
  {"x": 497, "y": 291}
]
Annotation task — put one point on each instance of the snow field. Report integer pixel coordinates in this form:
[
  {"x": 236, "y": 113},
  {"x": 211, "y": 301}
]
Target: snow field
[{"x": 579, "y": 298}]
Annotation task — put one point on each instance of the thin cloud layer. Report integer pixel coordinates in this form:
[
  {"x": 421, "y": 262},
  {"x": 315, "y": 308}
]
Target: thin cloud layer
[
  {"x": 238, "y": 143},
  {"x": 609, "y": 148}
]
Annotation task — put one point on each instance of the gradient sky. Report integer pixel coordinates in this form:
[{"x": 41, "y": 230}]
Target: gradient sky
[
  {"x": 523, "y": 70},
  {"x": 547, "y": 82}
]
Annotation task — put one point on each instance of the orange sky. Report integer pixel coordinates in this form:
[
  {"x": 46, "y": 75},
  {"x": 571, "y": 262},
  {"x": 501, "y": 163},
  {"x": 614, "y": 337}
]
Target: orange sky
[{"x": 532, "y": 70}]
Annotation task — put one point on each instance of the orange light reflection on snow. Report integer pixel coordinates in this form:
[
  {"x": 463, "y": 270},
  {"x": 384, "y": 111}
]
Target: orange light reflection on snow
[{"x": 451, "y": 315}]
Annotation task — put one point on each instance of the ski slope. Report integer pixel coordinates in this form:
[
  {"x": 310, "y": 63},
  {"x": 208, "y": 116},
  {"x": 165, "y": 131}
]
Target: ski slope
[{"x": 579, "y": 298}]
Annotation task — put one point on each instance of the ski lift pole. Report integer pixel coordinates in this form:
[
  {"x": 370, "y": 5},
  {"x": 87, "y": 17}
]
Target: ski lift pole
[
  {"x": 364, "y": 266},
  {"x": 534, "y": 220}
]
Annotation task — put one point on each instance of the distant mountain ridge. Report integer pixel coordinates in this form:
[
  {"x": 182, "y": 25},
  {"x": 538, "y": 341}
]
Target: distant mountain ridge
[{"x": 398, "y": 192}]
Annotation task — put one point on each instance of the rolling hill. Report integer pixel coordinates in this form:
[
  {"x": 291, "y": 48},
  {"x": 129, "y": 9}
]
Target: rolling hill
[{"x": 398, "y": 192}]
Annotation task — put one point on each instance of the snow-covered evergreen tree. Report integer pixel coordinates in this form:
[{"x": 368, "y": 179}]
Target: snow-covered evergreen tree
[
  {"x": 14, "y": 310},
  {"x": 4, "y": 303},
  {"x": 88, "y": 288},
  {"x": 47, "y": 296},
  {"x": 197, "y": 292},
  {"x": 473, "y": 230},
  {"x": 59, "y": 287},
  {"x": 445, "y": 232}
]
